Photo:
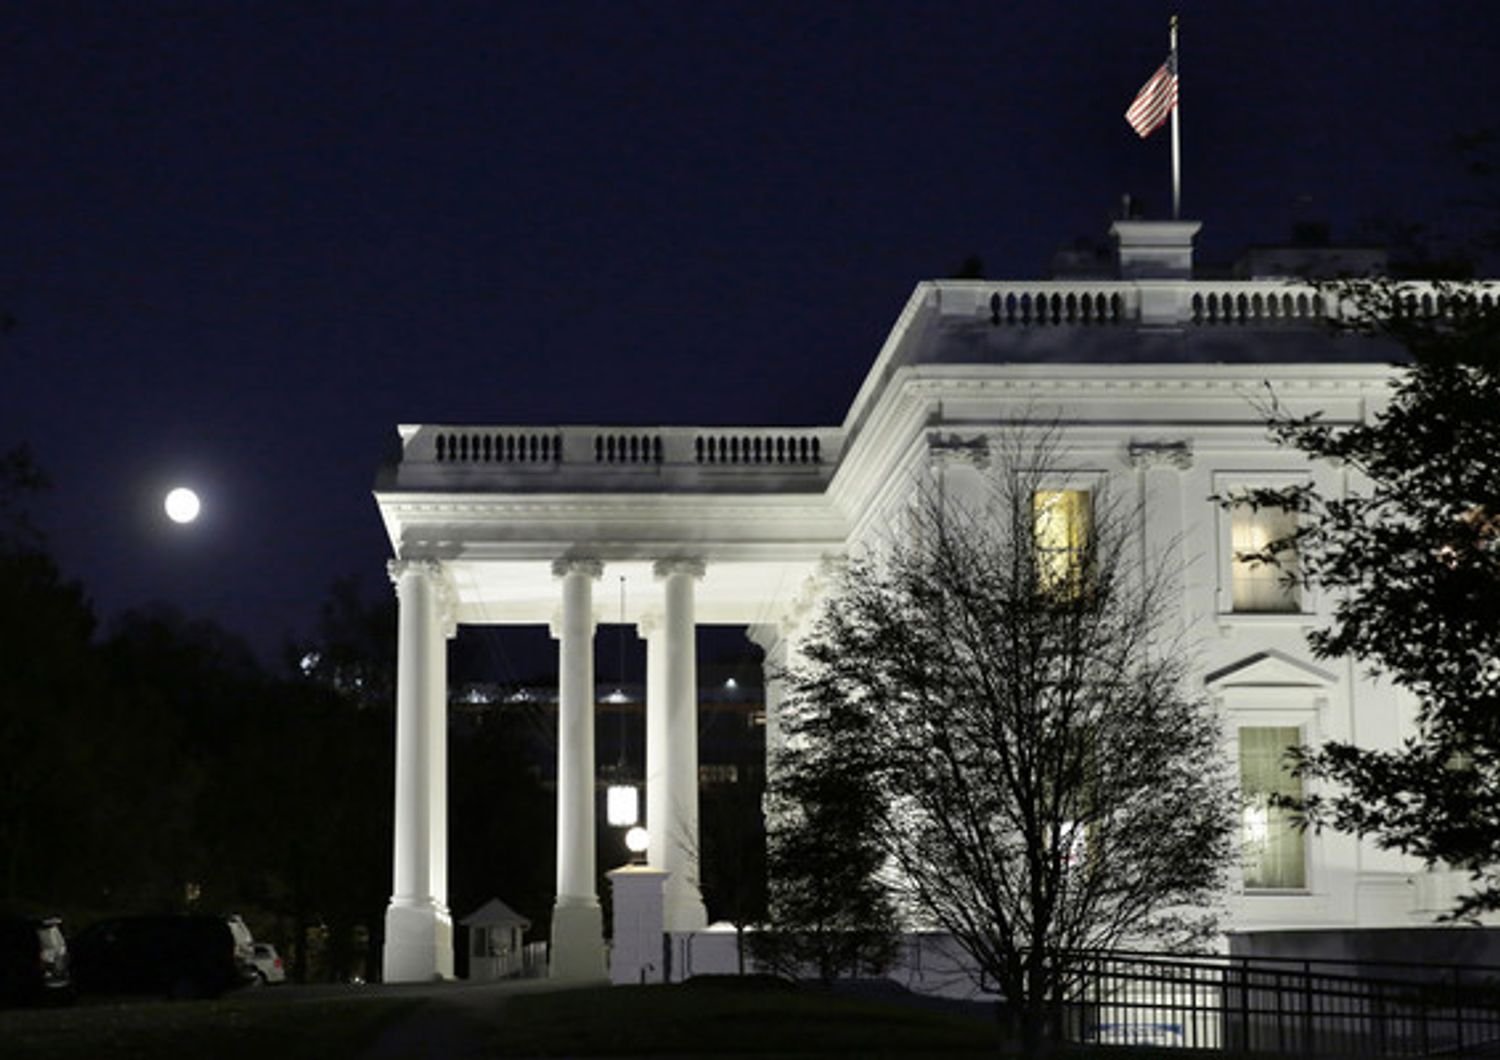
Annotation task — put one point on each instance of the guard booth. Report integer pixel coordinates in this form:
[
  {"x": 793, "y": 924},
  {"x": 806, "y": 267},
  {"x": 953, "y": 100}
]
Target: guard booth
[{"x": 497, "y": 949}]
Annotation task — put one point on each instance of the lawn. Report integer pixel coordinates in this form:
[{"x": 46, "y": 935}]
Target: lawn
[
  {"x": 721, "y": 1019},
  {"x": 232, "y": 1029},
  {"x": 744, "y": 1019}
]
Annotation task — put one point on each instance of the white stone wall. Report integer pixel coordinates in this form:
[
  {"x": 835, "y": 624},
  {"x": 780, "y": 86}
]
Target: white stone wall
[
  {"x": 1155, "y": 384},
  {"x": 1171, "y": 445}
]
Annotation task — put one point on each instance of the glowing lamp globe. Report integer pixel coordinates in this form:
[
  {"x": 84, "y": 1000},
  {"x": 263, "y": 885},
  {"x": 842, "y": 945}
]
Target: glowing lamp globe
[
  {"x": 637, "y": 840},
  {"x": 182, "y": 505}
]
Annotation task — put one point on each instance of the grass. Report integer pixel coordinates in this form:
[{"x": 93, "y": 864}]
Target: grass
[
  {"x": 740, "y": 1019},
  {"x": 230, "y": 1029},
  {"x": 759, "y": 1020}
]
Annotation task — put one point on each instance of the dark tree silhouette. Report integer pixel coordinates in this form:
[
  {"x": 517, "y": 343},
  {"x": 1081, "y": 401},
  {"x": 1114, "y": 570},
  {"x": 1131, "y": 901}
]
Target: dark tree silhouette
[
  {"x": 48, "y": 681},
  {"x": 995, "y": 688},
  {"x": 1412, "y": 552}
]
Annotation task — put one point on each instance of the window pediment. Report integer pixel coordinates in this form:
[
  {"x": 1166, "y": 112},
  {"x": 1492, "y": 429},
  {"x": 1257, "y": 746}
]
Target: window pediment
[{"x": 1269, "y": 668}]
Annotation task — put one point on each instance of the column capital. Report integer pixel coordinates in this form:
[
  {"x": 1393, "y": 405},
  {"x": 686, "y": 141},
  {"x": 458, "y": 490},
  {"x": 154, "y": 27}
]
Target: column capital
[
  {"x": 665, "y": 568},
  {"x": 427, "y": 568},
  {"x": 801, "y": 608},
  {"x": 1175, "y": 452},
  {"x": 436, "y": 575},
  {"x": 945, "y": 450},
  {"x": 592, "y": 568}
]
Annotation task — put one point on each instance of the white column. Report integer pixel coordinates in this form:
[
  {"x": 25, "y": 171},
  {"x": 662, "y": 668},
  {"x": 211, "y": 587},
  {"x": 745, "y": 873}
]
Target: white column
[
  {"x": 650, "y": 630},
  {"x": 418, "y": 927},
  {"x": 1161, "y": 466},
  {"x": 779, "y": 641},
  {"x": 437, "y": 765},
  {"x": 680, "y": 853},
  {"x": 577, "y": 923},
  {"x": 776, "y": 646},
  {"x": 782, "y": 640}
]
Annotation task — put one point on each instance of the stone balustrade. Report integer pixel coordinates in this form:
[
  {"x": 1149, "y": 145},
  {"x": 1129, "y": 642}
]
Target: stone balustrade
[
  {"x": 1204, "y": 303},
  {"x": 529, "y": 457},
  {"x": 1043, "y": 304}
]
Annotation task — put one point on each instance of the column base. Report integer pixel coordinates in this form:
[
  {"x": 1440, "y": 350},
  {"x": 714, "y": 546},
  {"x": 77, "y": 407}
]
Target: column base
[
  {"x": 577, "y": 953},
  {"x": 418, "y": 943}
]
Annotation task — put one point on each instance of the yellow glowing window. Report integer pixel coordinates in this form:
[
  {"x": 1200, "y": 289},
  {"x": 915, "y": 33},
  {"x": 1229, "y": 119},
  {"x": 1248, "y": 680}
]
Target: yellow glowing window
[
  {"x": 1275, "y": 849},
  {"x": 1262, "y": 586},
  {"x": 1063, "y": 520}
]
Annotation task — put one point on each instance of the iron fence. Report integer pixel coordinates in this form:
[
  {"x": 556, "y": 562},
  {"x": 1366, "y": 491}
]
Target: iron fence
[{"x": 1287, "y": 1006}]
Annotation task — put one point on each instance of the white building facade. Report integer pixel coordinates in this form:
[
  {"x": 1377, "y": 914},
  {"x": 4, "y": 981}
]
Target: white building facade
[{"x": 1155, "y": 380}]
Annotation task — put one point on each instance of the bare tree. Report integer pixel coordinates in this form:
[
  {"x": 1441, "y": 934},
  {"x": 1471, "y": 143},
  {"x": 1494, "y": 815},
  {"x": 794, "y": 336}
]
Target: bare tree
[{"x": 1000, "y": 673}]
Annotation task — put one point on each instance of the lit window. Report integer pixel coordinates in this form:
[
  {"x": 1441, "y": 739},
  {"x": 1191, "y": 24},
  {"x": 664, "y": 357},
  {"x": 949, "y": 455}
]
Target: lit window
[
  {"x": 1275, "y": 850},
  {"x": 1262, "y": 586},
  {"x": 1063, "y": 520}
]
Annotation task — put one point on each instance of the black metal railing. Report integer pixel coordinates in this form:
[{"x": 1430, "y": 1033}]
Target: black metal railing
[{"x": 1285, "y": 1006}]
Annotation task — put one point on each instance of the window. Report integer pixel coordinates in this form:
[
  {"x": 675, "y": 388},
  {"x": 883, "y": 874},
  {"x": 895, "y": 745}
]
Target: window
[
  {"x": 1262, "y": 587},
  {"x": 1062, "y": 523},
  {"x": 1275, "y": 850}
]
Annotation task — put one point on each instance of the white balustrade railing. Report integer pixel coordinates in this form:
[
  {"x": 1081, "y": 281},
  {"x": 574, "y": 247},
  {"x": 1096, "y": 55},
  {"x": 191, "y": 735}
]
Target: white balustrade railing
[
  {"x": 711, "y": 449},
  {"x": 1258, "y": 302},
  {"x": 1042, "y": 304},
  {"x": 1208, "y": 303}
]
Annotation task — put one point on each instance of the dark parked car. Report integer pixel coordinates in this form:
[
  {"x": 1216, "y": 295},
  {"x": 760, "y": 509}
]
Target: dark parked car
[
  {"x": 33, "y": 960},
  {"x": 178, "y": 956}
]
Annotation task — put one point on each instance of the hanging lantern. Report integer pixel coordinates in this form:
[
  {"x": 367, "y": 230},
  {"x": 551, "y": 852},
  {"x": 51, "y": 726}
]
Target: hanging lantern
[{"x": 622, "y": 807}]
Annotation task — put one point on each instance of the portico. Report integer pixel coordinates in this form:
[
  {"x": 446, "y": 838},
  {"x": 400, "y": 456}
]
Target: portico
[{"x": 468, "y": 556}]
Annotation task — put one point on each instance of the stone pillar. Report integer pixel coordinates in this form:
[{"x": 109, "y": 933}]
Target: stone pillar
[
  {"x": 776, "y": 645},
  {"x": 418, "y": 926},
  {"x": 782, "y": 640},
  {"x": 577, "y": 923},
  {"x": 650, "y": 630},
  {"x": 636, "y": 955},
  {"x": 1161, "y": 465},
  {"x": 680, "y": 851}
]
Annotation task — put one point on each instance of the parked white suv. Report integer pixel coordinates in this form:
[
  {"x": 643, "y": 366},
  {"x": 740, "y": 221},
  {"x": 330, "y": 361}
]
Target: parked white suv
[{"x": 268, "y": 967}]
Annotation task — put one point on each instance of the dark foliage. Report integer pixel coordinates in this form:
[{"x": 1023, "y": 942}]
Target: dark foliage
[
  {"x": 828, "y": 909},
  {"x": 49, "y": 678},
  {"x": 732, "y": 871},
  {"x": 1412, "y": 552}
]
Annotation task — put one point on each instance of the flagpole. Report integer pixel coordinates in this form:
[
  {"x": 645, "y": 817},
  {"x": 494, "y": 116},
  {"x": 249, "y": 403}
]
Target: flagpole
[{"x": 1176, "y": 138}]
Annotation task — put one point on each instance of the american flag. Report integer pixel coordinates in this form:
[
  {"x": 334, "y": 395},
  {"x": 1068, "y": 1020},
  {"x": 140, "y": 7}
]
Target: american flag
[{"x": 1155, "y": 100}]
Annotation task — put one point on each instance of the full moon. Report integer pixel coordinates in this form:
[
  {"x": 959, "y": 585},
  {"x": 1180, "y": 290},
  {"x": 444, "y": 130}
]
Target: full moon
[{"x": 182, "y": 505}]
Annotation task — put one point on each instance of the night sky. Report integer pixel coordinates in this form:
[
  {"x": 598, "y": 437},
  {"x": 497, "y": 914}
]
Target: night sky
[{"x": 243, "y": 241}]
